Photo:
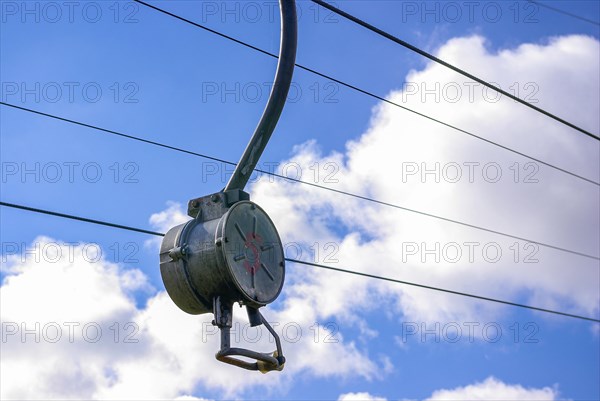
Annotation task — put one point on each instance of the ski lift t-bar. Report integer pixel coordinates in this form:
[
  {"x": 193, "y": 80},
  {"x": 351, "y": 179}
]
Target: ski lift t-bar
[{"x": 230, "y": 251}]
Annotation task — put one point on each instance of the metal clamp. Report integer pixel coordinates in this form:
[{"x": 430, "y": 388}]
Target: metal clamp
[{"x": 265, "y": 362}]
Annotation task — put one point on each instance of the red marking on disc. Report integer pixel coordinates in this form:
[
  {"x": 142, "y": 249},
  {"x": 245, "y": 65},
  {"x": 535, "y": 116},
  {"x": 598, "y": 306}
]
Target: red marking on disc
[{"x": 253, "y": 242}]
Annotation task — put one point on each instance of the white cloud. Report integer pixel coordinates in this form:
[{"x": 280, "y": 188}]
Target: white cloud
[
  {"x": 493, "y": 389},
  {"x": 67, "y": 282},
  {"x": 163, "y": 221},
  {"x": 61, "y": 310},
  {"x": 359, "y": 397},
  {"x": 172, "y": 216},
  {"x": 488, "y": 390}
]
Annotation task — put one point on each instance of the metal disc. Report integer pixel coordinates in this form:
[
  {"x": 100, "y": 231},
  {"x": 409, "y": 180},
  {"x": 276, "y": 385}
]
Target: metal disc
[{"x": 253, "y": 252}]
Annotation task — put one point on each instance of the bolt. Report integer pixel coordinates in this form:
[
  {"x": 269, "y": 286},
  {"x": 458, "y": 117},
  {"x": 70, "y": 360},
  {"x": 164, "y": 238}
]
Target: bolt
[{"x": 177, "y": 253}]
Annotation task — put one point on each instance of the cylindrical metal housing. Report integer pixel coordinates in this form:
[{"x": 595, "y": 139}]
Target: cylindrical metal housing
[{"x": 238, "y": 256}]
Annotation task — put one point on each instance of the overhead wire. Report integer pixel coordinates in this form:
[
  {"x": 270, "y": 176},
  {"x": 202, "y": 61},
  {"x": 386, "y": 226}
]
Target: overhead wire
[
  {"x": 366, "y": 92},
  {"x": 78, "y": 218},
  {"x": 428, "y": 287},
  {"x": 347, "y": 271},
  {"x": 283, "y": 177},
  {"x": 564, "y": 12},
  {"x": 461, "y": 71}
]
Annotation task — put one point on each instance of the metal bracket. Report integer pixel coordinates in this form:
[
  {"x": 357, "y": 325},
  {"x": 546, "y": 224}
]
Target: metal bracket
[{"x": 213, "y": 206}]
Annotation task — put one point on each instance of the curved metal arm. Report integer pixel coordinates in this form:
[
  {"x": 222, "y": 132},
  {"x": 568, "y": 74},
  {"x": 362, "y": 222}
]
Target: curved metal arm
[{"x": 279, "y": 92}]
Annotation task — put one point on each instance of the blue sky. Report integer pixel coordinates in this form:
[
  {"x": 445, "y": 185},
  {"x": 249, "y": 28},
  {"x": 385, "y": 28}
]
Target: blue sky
[{"x": 142, "y": 73}]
